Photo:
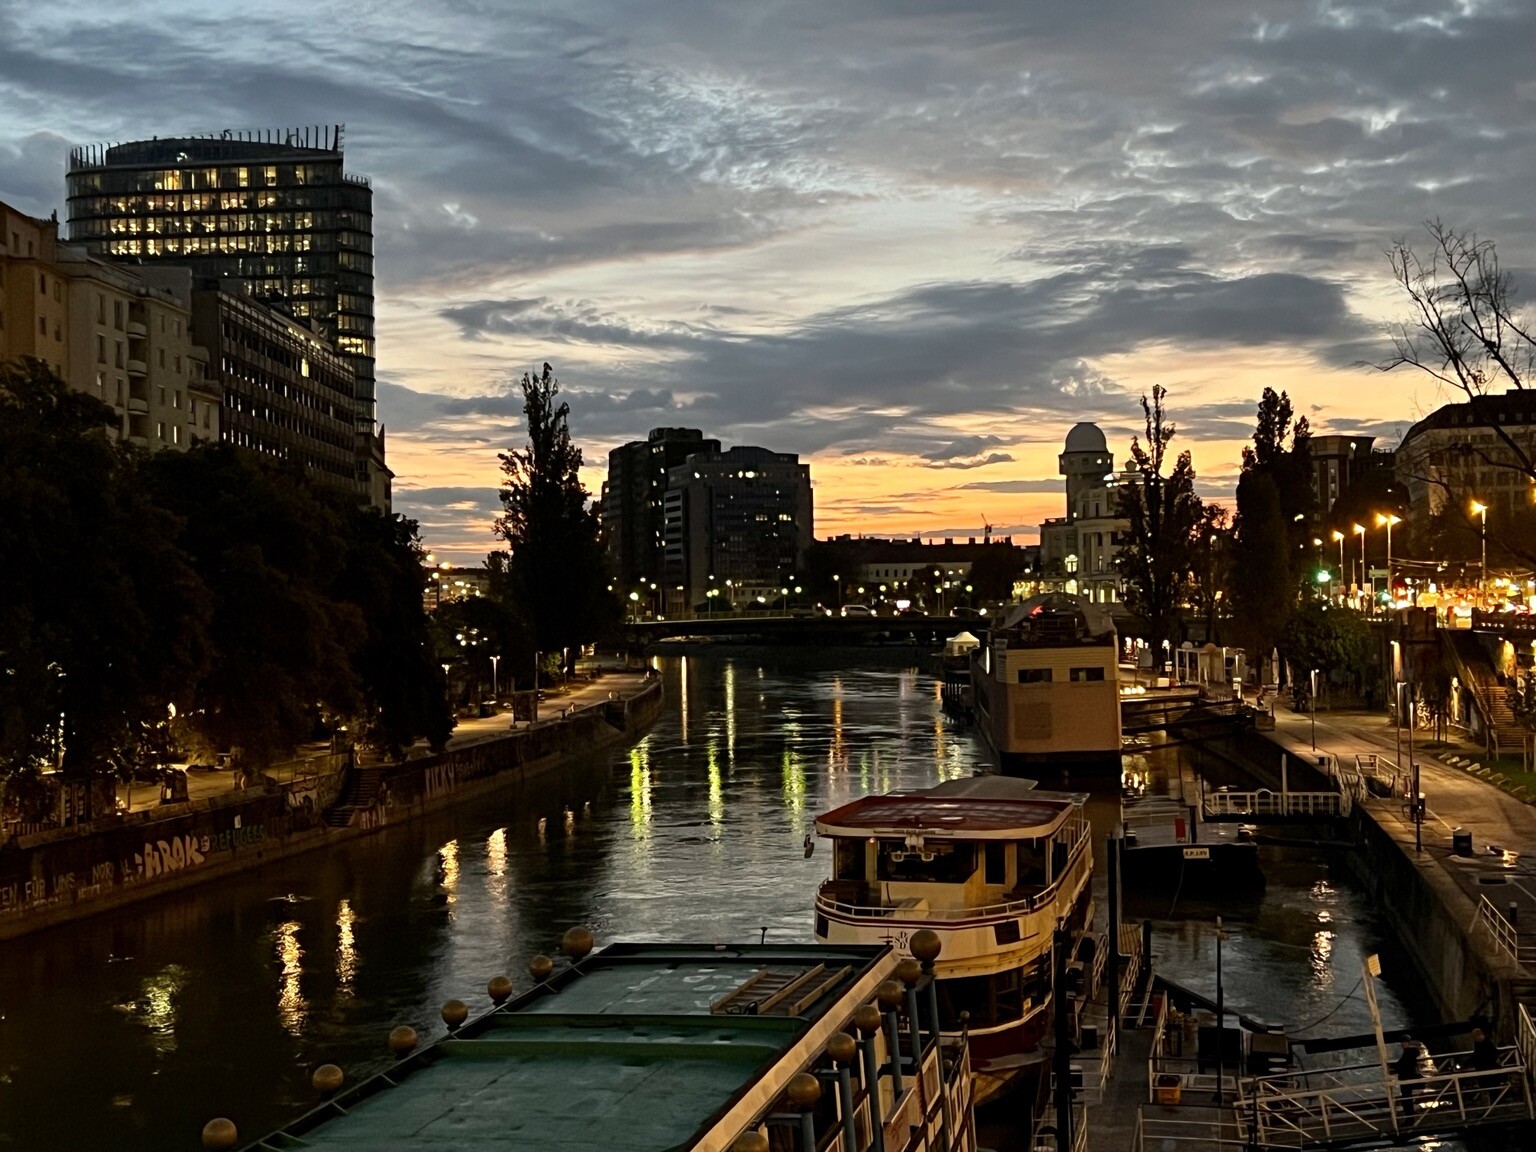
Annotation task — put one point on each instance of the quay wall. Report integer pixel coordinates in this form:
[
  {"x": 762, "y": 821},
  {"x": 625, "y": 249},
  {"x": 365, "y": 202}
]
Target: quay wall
[
  {"x": 1433, "y": 919},
  {"x": 55, "y": 876}
]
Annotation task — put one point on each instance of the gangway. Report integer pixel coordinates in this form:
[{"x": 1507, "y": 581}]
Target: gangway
[{"x": 1364, "y": 1104}]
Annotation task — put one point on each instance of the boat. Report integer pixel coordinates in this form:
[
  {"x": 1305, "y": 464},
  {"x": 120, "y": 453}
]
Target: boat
[
  {"x": 1045, "y": 686},
  {"x": 665, "y": 1048},
  {"x": 992, "y": 866}
]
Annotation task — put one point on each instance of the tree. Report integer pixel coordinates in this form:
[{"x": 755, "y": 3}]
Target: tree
[
  {"x": 401, "y": 681},
  {"x": 1274, "y": 499},
  {"x": 1466, "y": 330},
  {"x": 1334, "y": 641},
  {"x": 555, "y": 568},
  {"x": 1211, "y": 569},
  {"x": 101, "y": 618},
  {"x": 1163, "y": 515},
  {"x": 270, "y": 549}
]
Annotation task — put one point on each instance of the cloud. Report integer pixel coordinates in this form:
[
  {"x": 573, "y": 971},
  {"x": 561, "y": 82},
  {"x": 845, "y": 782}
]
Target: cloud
[
  {"x": 1014, "y": 486},
  {"x": 982, "y": 462}
]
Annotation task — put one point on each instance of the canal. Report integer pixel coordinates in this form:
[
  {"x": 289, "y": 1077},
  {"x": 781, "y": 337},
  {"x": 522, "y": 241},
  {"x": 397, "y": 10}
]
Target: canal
[{"x": 127, "y": 1031}]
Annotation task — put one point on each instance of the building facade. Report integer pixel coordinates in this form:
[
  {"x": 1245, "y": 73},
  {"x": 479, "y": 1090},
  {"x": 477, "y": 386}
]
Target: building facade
[
  {"x": 1457, "y": 454},
  {"x": 633, "y": 500},
  {"x": 736, "y": 523},
  {"x": 1336, "y": 462},
  {"x": 287, "y": 392},
  {"x": 108, "y": 332},
  {"x": 1078, "y": 550}
]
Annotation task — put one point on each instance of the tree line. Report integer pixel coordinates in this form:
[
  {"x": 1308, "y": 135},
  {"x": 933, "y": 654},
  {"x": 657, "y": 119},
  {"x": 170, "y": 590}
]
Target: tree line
[{"x": 190, "y": 604}]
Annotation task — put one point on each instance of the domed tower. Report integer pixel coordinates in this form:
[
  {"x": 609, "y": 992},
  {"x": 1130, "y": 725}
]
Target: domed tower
[{"x": 1084, "y": 461}]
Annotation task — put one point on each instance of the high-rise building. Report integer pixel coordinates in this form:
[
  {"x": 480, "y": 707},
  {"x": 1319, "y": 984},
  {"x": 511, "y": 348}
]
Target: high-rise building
[
  {"x": 271, "y": 215},
  {"x": 737, "y": 522},
  {"x": 633, "y": 495},
  {"x": 1336, "y": 461}
]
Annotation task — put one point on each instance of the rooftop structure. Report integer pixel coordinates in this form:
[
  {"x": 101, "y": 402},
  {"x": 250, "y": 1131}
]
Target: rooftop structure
[{"x": 655, "y": 1048}]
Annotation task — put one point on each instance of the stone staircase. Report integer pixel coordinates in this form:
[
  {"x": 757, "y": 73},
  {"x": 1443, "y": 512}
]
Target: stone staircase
[
  {"x": 1475, "y": 669},
  {"x": 359, "y": 792}
]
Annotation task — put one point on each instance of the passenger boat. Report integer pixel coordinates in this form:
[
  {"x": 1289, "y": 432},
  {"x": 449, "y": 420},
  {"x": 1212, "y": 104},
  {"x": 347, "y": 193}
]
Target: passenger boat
[
  {"x": 990, "y": 865},
  {"x": 1045, "y": 684}
]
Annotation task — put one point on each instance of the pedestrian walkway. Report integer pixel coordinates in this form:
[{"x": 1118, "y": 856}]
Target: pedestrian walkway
[
  {"x": 207, "y": 784},
  {"x": 1501, "y": 870}
]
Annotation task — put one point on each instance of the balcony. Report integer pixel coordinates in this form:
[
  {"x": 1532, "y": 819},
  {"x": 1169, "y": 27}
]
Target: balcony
[
  {"x": 137, "y": 330},
  {"x": 138, "y": 405},
  {"x": 137, "y": 368}
]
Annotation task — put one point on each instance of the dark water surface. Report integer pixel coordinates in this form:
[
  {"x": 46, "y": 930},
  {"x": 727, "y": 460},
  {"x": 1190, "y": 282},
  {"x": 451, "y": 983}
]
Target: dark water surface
[{"x": 129, "y": 1030}]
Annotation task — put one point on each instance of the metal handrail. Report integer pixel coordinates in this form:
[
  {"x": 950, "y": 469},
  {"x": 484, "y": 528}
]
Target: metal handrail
[
  {"x": 1502, "y": 931},
  {"x": 1267, "y": 802}
]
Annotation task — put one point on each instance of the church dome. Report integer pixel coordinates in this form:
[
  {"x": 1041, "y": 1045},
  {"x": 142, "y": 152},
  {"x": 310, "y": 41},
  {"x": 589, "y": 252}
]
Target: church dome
[{"x": 1086, "y": 438}]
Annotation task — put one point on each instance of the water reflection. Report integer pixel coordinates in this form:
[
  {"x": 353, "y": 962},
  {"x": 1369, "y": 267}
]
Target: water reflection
[
  {"x": 292, "y": 1009},
  {"x": 694, "y": 834},
  {"x": 346, "y": 947},
  {"x": 154, "y": 1008}
]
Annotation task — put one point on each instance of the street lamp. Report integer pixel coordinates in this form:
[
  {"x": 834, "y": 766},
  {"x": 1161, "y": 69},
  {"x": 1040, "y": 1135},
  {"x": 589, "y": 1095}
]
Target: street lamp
[
  {"x": 1389, "y": 519},
  {"x": 1480, "y": 510},
  {"x": 1338, "y": 538},
  {"x": 838, "y": 581},
  {"x": 495, "y": 660},
  {"x": 1359, "y": 530},
  {"x": 1221, "y": 1023},
  {"x": 1312, "y": 707}
]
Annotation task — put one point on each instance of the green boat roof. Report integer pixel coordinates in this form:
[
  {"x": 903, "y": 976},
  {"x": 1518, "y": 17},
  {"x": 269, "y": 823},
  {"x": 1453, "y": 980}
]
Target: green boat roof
[{"x": 620, "y": 1051}]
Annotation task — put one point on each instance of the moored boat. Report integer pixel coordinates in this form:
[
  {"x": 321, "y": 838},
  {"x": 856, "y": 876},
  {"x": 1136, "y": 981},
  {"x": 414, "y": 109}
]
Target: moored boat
[
  {"x": 1045, "y": 684},
  {"x": 992, "y": 867}
]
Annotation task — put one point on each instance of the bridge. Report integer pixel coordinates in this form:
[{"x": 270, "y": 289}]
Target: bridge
[{"x": 790, "y": 628}]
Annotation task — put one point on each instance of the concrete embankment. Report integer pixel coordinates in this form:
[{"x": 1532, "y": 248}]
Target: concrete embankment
[
  {"x": 1426, "y": 895},
  {"x": 51, "y": 877}
]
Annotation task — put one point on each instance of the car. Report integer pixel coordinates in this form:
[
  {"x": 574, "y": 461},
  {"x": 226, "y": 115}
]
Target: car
[
  {"x": 912, "y": 612},
  {"x": 850, "y": 610},
  {"x": 965, "y": 614}
]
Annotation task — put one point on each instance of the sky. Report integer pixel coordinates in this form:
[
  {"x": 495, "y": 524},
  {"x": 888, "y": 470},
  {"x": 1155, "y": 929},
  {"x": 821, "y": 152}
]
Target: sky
[{"x": 912, "y": 240}]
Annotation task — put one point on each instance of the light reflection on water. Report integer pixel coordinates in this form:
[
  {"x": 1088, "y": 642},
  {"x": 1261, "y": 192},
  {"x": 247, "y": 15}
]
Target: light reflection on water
[{"x": 695, "y": 833}]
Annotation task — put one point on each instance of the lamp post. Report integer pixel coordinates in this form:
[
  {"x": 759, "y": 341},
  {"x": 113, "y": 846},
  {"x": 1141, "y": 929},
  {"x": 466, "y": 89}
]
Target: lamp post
[
  {"x": 1338, "y": 538},
  {"x": 1360, "y": 532},
  {"x": 1221, "y": 1025},
  {"x": 1389, "y": 519},
  {"x": 495, "y": 660},
  {"x": 1480, "y": 510},
  {"x": 838, "y": 581},
  {"x": 1312, "y": 706}
]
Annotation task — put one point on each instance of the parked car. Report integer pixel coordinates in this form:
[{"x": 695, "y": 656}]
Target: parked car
[
  {"x": 965, "y": 613},
  {"x": 857, "y": 610}
]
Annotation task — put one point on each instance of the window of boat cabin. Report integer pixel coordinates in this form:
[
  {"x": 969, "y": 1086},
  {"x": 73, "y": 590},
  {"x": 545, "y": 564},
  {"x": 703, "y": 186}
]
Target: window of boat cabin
[
  {"x": 1082, "y": 675},
  {"x": 848, "y": 858},
  {"x": 991, "y": 1000},
  {"x": 1035, "y": 676},
  {"x": 1032, "y": 863},
  {"x": 995, "y": 860},
  {"x": 947, "y": 863}
]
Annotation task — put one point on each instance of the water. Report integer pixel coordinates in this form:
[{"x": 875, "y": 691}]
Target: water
[{"x": 129, "y": 1030}]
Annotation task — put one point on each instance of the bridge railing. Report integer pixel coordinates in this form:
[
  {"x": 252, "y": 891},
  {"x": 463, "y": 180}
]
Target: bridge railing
[{"x": 1265, "y": 802}]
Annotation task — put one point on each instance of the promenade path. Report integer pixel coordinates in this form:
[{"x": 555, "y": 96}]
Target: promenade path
[
  {"x": 202, "y": 785},
  {"x": 1454, "y": 798}
]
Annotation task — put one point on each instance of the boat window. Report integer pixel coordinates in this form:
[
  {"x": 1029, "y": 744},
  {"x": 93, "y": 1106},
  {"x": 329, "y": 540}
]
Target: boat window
[
  {"x": 946, "y": 863},
  {"x": 996, "y": 862},
  {"x": 1031, "y": 863},
  {"x": 991, "y": 1000},
  {"x": 848, "y": 859},
  {"x": 1035, "y": 676},
  {"x": 1082, "y": 675}
]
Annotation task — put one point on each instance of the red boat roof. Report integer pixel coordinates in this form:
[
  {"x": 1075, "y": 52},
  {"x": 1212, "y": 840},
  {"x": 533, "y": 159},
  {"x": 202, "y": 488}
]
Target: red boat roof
[{"x": 963, "y": 816}]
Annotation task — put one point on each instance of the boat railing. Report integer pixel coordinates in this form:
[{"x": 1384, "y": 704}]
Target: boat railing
[{"x": 905, "y": 909}]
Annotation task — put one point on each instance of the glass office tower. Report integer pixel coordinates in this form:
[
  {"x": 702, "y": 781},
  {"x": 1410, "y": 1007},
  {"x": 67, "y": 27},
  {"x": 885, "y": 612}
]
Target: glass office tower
[{"x": 274, "y": 214}]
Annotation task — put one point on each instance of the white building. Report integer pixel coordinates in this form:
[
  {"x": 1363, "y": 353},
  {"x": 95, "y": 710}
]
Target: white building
[{"x": 1077, "y": 551}]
